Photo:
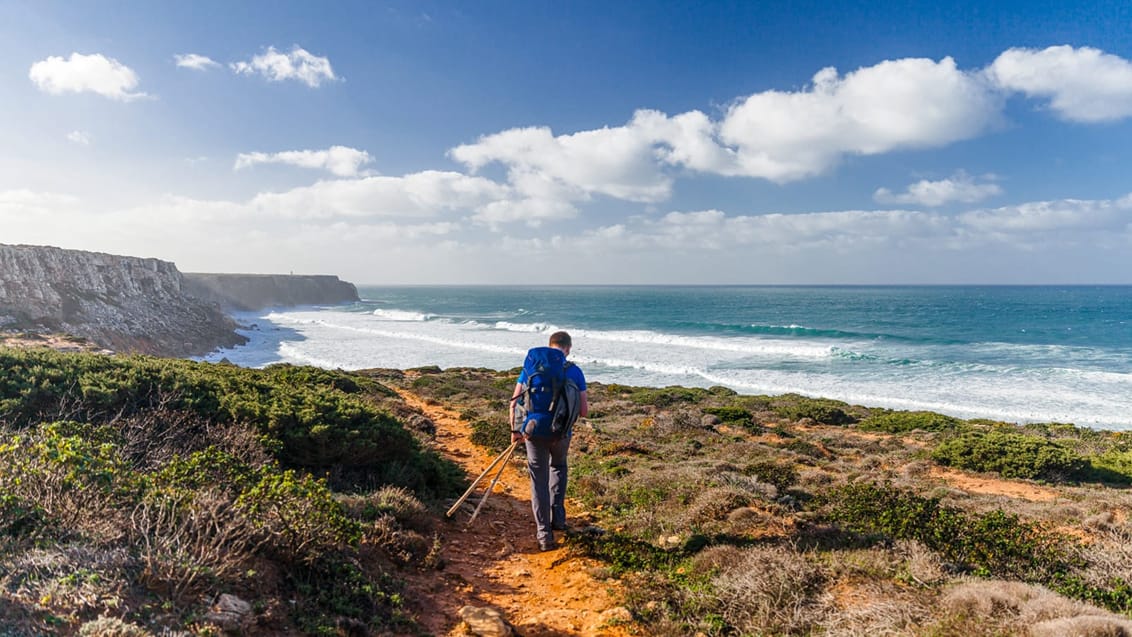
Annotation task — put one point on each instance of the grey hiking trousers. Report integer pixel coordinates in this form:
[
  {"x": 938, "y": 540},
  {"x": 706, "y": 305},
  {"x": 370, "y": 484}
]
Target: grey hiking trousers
[{"x": 546, "y": 461}]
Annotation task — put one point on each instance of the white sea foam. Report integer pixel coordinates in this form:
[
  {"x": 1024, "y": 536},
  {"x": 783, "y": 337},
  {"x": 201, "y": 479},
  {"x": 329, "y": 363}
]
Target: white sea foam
[
  {"x": 897, "y": 376},
  {"x": 401, "y": 315}
]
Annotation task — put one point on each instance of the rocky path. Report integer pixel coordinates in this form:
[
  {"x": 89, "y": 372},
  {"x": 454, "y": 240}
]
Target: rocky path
[{"x": 495, "y": 562}]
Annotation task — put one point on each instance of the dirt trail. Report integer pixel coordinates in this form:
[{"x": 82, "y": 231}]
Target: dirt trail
[{"x": 496, "y": 561}]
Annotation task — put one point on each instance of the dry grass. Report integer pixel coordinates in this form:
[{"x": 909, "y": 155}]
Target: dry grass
[
  {"x": 188, "y": 544},
  {"x": 1014, "y": 605},
  {"x": 770, "y": 590}
]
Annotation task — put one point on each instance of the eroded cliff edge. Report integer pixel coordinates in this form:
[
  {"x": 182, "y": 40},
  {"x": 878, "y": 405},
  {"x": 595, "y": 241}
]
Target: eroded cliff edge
[
  {"x": 123, "y": 303},
  {"x": 243, "y": 292}
]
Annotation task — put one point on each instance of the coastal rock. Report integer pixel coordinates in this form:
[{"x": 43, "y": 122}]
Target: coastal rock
[
  {"x": 485, "y": 622},
  {"x": 229, "y": 612},
  {"x": 246, "y": 292},
  {"x": 123, "y": 303}
]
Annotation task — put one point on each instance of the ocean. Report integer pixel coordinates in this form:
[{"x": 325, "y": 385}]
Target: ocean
[{"x": 1013, "y": 353}]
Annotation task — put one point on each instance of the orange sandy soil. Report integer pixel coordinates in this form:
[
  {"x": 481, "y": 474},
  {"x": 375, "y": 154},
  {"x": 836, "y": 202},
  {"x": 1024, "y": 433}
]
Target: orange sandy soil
[
  {"x": 993, "y": 486},
  {"x": 496, "y": 562},
  {"x": 60, "y": 342}
]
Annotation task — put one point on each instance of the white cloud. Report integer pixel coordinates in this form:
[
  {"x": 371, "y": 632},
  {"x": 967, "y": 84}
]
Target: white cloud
[
  {"x": 24, "y": 202},
  {"x": 79, "y": 137},
  {"x": 897, "y": 104},
  {"x": 618, "y": 162},
  {"x": 840, "y": 230},
  {"x": 80, "y": 73},
  {"x": 1082, "y": 85},
  {"x": 299, "y": 65},
  {"x": 195, "y": 61},
  {"x": 779, "y": 136},
  {"x": 1064, "y": 217},
  {"x": 531, "y": 211},
  {"x": 420, "y": 194},
  {"x": 959, "y": 187},
  {"x": 341, "y": 161}
]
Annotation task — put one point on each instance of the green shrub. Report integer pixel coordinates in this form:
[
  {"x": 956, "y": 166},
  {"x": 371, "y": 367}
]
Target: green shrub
[
  {"x": 494, "y": 436},
  {"x": 821, "y": 410},
  {"x": 896, "y": 422},
  {"x": 204, "y": 469},
  {"x": 994, "y": 543},
  {"x": 299, "y": 516},
  {"x": 70, "y": 479},
  {"x": 337, "y": 587},
  {"x": 781, "y": 474},
  {"x": 310, "y": 418},
  {"x": 624, "y": 553},
  {"x": 732, "y": 415},
  {"x": 1011, "y": 455},
  {"x": 667, "y": 396},
  {"x": 1112, "y": 466}
]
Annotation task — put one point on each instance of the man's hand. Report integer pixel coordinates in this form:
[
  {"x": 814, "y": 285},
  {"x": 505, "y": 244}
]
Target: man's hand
[{"x": 516, "y": 436}]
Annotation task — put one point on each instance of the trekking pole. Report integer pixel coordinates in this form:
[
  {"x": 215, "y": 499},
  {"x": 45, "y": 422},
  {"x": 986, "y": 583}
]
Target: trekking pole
[
  {"x": 498, "y": 474},
  {"x": 506, "y": 452}
]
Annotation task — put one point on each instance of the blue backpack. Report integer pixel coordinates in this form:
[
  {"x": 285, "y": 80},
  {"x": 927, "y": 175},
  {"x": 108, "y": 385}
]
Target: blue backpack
[{"x": 549, "y": 403}]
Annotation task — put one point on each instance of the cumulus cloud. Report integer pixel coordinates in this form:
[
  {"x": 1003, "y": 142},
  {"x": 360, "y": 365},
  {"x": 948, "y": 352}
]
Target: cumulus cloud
[
  {"x": 774, "y": 135},
  {"x": 1082, "y": 84},
  {"x": 341, "y": 161},
  {"x": 618, "y": 162},
  {"x": 420, "y": 194},
  {"x": 194, "y": 61},
  {"x": 959, "y": 187},
  {"x": 298, "y": 65},
  {"x": 79, "y": 137},
  {"x": 897, "y": 104},
  {"x": 80, "y": 73}
]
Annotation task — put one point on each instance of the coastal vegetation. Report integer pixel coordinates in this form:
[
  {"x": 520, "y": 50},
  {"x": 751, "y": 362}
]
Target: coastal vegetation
[
  {"x": 788, "y": 515},
  {"x": 138, "y": 494},
  {"x": 139, "y": 489}
]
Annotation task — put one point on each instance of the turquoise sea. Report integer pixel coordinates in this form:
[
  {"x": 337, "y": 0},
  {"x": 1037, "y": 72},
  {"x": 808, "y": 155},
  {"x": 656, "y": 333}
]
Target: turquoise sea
[{"x": 1020, "y": 354}]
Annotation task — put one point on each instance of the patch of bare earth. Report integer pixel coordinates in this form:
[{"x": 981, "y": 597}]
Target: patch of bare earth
[
  {"x": 993, "y": 486},
  {"x": 496, "y": 562}
]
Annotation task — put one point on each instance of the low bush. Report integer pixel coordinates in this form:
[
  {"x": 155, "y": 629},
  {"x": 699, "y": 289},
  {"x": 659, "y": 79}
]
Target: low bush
[
  {"x": 732, "y": 415},
  {"x": 297, "y": 516},
  {"x": 1112, "y": 466},
  {"x": 989, "y": 544},
  {"x": 493, "y": 436},
  {"x": 667, "y": 396},
  {"x": 896, "y": 422},
  {"x": 821, "y": 410},
  {"x": 1012, "y": 455},
  {"x": 307, "y": 417},
  {"x": 781, "y": 474}
]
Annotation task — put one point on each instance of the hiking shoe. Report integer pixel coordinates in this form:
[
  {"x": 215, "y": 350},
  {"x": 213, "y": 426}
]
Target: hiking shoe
[{"x": 547, "y": 545}]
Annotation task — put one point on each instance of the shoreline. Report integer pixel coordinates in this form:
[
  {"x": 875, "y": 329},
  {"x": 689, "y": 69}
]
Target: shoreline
[{"x": 312, "y": 336}]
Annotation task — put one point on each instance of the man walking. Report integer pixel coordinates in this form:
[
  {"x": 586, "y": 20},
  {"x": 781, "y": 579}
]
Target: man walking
[{"x": 549, "y": 396}]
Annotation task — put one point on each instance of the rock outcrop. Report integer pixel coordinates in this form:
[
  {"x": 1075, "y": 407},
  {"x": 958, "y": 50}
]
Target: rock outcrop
[
  {"x": 243, "y": 292},
  {"x": 123, "y": 303}
]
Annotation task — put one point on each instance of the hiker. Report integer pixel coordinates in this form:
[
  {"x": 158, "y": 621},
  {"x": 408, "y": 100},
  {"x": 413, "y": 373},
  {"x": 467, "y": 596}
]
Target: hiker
[{"x": 549, "y": 396}]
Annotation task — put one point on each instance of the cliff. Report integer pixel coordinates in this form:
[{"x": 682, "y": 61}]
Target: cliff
[
  {"x": 257, "y": 291},
  {"x": 123, "y": 303}
]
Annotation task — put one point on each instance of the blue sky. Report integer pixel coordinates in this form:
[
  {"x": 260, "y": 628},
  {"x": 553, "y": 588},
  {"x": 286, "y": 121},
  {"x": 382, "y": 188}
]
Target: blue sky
[{"x": 577, "y": 142}]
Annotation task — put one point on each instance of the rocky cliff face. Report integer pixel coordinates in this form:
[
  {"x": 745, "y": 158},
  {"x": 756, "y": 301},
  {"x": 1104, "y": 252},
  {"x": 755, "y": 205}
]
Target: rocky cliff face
[
  {"x": 258, "y": 291},
  {"x": 123, "y": 303}
]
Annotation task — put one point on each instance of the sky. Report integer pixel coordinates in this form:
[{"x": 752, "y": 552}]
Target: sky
[{"x": 507, "y": 142}]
